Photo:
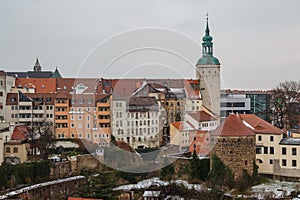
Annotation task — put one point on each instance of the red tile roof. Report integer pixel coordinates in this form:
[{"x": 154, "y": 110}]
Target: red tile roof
[
  {"x": 233, "y": 126},
  {"x": 67, "y": 84},
  {"x": 260, "y": 125},
  {"x": 182, "y": 126},
  {"x": 192, "y": 89},
  {"x": 41, "y": 85},
  {"x": 202, "y": 116},
  {"x": 20, "y": 133}
]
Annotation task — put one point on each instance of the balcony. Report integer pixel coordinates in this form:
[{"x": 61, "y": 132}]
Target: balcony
[
  {"x": 103, "y": 113},
  {"x": 39, "y": 111},
  {"x": 107, "y": 105},
  {"x": 61, "y": 113},
  {"x": 62, "y": 104},
  {"x": 103, "y": 121},
  {"x": 62, "y": 121},
  {"x": 25, "y": 120}
]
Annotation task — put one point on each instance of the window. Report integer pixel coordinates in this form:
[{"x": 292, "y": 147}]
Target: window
[
  {"x": 271, "y": 162},
  {"x": 283, "y": 151},
  {"x": 265, "y": 150},
  {"x": 7, "y": 149},
  {"x": 271, "y": 138},
  {"x": 294, "y": 151},
  {"x": 294, "y": 163},
  {"x": 271, "y": 150},
  {"x": 15, "y": 149},
  {"x": 283, "y": 162},
  {"x": 80, "y": 125},
  {"x": 259, "y": 138},
  {"x": 258, "y": 150}
]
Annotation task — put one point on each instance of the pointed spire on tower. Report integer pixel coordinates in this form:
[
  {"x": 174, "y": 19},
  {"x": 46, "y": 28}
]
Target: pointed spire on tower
[
  {"x": 37, "y": 67},
  {"x": 207, "y": 48},
  {"x": 56, "y": 73},
  {"x": 207, "y": 27}
]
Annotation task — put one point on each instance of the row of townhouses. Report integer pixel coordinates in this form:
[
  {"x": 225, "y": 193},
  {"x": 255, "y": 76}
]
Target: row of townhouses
[{"x": 148, "y": 113}]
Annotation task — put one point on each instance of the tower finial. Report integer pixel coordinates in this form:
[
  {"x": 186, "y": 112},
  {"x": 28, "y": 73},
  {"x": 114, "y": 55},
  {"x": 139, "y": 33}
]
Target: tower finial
[{"x": 207, "y": 27}]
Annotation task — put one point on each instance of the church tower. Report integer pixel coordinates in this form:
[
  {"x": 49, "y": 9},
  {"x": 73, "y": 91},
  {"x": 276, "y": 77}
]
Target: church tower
[
  {"x": 37, "y": 67},
  {"x": 208, "y": 72}
]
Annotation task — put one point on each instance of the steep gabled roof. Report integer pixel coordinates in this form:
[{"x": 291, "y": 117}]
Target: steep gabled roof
[
  {"x": 233, "y": 126},
  {"x": 20, "y": 133},
  {"x": 259, "y": 125},
  {"x": 183, "y": 126},
  {"x": 202, "y": 116},
  {"x": 56, "y": 74}
]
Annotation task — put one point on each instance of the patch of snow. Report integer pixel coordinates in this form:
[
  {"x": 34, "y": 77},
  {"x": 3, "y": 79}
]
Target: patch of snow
[
  {"x": 275, "y": 188},
  {"x": 248, "y": 125},
  {"x": 157, "y": 182},
  {"x": 25, "y": 189}
]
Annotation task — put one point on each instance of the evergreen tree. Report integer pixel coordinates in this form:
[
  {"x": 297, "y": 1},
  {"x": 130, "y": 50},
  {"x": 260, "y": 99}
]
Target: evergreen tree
[
  {"x": 220, "y": 173},
  {"x": 168, "y": 170},
  {"x": 100, "y": 186},
  {"x": 199, "y": 169}
]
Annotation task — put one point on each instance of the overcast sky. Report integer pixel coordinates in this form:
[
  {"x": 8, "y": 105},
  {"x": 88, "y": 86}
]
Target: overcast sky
[{"x": 256, "y": 41}]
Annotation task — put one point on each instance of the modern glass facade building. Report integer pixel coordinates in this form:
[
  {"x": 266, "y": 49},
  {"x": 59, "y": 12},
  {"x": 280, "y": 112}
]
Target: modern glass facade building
[{"x": 246, "y": 102}]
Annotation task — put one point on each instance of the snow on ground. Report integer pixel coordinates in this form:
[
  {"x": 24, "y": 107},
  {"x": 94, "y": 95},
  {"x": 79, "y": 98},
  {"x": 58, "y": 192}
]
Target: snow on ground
[
  {"x": 45, "y": 184},
  {"x": 157, "y": 182},
  {"x": 275, "y": 189}
]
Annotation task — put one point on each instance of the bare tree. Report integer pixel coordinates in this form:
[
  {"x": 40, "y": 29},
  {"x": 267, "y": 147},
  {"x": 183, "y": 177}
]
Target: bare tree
[
  {"x": 285, "y": 104},
  {"x": 46, "y": 140}
]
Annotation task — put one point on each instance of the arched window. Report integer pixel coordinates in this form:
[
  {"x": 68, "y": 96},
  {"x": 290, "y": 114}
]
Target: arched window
[
  {"x": 7, "y": 149},
  {"x": 15, "y": 149}
]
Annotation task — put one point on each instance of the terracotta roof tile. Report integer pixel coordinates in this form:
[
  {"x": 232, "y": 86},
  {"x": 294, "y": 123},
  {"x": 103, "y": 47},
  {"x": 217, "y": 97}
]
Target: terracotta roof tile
[
  {"x": 41, "y": 85},
  {"x": 259, "y": 125},
  {"x": 202, "y": 116},
  {"x": 233, "y": 126},
  {"x": 20, "y": 133},
  {"x": 183, "y": 126}
]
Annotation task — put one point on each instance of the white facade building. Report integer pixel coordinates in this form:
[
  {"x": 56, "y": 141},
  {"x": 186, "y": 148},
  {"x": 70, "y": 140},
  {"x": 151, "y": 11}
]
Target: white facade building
[
  {"x": 6, "y": 83},
  {"x": 136, "y": 121},
  {"x": 202, "y": 120}
]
